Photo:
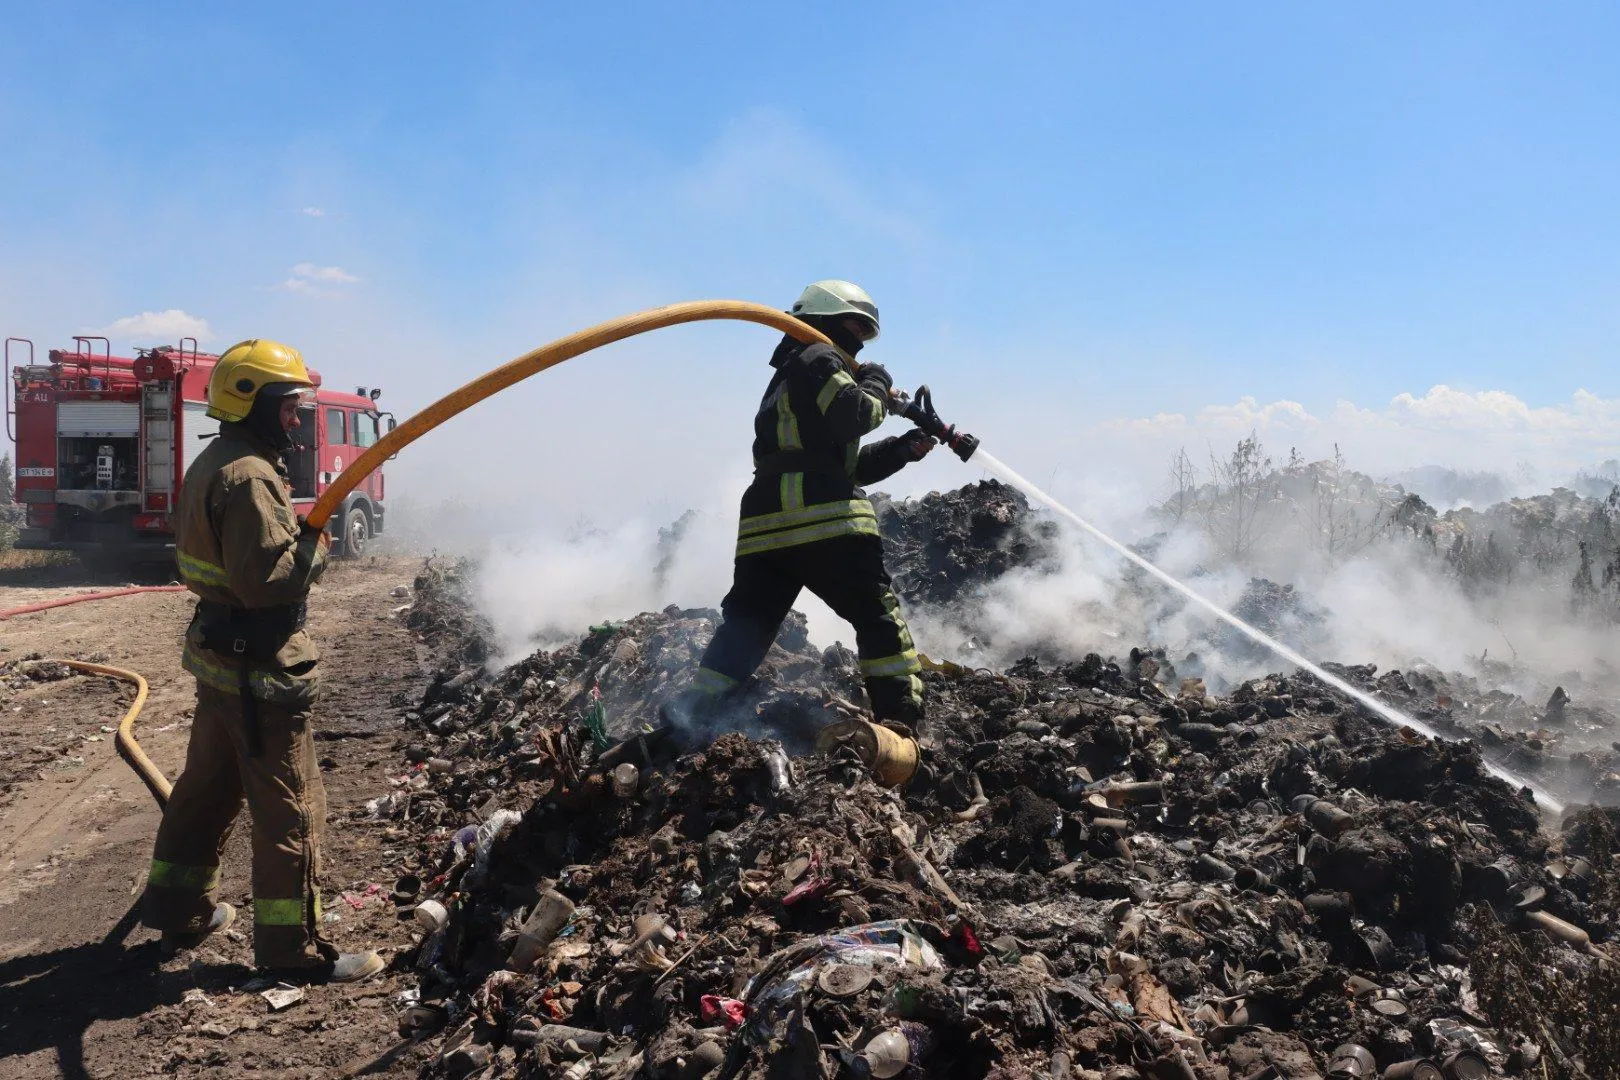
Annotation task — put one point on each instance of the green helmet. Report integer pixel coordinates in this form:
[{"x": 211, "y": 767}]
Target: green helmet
[{"x": 834, "y": 297}]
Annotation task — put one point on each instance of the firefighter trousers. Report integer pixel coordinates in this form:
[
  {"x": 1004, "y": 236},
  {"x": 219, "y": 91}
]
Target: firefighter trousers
[
  {"x": 287, "y": 804},
  {"x": 847, "y": 573}
]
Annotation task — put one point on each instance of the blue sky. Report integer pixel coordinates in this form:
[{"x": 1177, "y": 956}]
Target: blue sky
[{"x": 1075, "y": 217}]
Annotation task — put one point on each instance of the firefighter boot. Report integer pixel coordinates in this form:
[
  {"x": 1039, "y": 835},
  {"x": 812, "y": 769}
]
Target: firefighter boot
[
  {"x": 690, "y": 713},
  {"x": 175, "y": 941}
]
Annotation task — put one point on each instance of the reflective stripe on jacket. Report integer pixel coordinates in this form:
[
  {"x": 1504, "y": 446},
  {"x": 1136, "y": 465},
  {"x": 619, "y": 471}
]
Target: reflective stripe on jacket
[{"x": 813, "y": 416}]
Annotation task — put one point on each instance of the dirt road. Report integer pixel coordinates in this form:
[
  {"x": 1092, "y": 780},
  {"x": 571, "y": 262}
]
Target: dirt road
[{"x": 84, "y": 990}]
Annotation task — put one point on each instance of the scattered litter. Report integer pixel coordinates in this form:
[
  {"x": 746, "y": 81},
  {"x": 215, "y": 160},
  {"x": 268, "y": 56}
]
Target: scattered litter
[
  {"x": 1110, "y": 868},
  {"x": 283, "y": 997}
]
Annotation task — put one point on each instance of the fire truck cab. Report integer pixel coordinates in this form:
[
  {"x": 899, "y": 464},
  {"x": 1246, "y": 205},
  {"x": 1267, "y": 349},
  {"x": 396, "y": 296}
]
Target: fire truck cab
[{"x": 103, "y": 444}]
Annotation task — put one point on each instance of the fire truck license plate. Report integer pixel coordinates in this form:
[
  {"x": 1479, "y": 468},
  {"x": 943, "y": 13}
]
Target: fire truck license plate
[{"x": 35, "y": 472}]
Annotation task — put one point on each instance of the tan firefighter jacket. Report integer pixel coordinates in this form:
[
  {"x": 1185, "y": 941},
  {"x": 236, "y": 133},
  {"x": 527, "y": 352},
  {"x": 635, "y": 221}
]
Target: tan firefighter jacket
[{"x": 238, "y": 544}]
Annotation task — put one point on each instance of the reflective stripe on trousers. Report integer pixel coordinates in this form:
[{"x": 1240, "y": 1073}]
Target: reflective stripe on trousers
[
  {"x": 283, "y": 912},
  {"x": 168, "y": 875}
]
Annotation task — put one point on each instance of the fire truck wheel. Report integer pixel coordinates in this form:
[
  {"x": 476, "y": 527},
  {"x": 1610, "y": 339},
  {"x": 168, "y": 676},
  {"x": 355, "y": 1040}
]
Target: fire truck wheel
[{"x": 356, "y": 533}]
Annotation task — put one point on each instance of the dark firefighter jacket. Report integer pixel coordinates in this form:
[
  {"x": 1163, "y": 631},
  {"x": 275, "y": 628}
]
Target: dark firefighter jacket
[
  {"x": 809, "y": 465},
  {"x": 238, "y": 545}
]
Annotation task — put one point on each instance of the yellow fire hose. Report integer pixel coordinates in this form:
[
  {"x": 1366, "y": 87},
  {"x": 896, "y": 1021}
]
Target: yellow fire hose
[
  {"x": 128, "y": 748},
  {"x": 539, "y": 360},
  {"x": 452, "y": 404}
]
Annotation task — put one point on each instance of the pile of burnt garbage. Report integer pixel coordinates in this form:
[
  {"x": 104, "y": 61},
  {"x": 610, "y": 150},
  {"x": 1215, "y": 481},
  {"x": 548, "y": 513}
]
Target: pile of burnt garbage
[
  {"x": 1096, "y": 870},
  {"x": 1568, "y": 743}
]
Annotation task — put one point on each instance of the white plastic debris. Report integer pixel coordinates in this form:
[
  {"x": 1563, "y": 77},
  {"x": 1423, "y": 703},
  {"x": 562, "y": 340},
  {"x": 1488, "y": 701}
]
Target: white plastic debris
[{"x": 283, "y": 997}]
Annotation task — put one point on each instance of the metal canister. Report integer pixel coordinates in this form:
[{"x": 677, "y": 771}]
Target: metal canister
[
  {"x": 1416, "y": 1069},
  {"x": 892, "y": 757},
  {"x": 1465, "y": 1065},
  {"x": 1147, "y": 793},
  {"x": 1323, "y": 816},
  {"x": 1352, "y": 1062},
  {"x": 1376, "y": 950},
  {"x": 1390, "y": 1002},
  {"x": 1249, "y": 878}
]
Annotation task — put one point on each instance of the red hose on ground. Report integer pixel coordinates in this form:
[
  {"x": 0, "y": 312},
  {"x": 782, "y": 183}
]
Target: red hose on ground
[{"x": 27, "y": 608}]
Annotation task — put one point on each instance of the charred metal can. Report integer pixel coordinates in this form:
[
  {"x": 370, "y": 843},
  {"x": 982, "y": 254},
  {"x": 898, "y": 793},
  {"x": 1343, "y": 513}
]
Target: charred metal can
[
  {"x": 1323, "y": 816},
  {"x": 1376, "y": 950},
  {"x": 1210, "y": 868},
  {"x": 421, "y": 1021},
  {"x": 1147, "y": 793},
  {"x": 1390, "y": 1002},
  {"x": 1465, "y": 1065},
  {"x": 1416, "y": 1069},
  {"x": 407, "y": 888},
  {"x": 1328, "y": 819},
  {"x": 1329, "y": 907},
  {"x": 1352, "y": 1062},
  {"x": 1247, "y": 877}
]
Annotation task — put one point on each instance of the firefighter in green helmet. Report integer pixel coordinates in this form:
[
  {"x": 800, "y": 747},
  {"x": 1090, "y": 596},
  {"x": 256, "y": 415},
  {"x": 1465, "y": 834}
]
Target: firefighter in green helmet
[{"x": 806, "y": 523}]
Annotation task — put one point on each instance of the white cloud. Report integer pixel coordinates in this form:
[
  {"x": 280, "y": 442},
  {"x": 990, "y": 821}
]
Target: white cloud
[
  {"x": 1485, "y": 429},
  {"x": 313, "y": 211},
  {"x": 323, "y": 273},
  {"x": 308, "y": 279},
  {"x": 1241, "y": 417},
  {"x": 158, "y": 327}
]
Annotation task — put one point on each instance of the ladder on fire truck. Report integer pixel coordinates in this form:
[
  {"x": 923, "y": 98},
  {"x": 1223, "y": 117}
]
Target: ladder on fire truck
[
  {"x": 11, "y": 405},
  {"x": 158, "y": 409}
]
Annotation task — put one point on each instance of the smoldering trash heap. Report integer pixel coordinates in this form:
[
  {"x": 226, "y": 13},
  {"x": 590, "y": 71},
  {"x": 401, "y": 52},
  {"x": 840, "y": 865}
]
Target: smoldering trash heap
[{"x": 1102, "y": 867}]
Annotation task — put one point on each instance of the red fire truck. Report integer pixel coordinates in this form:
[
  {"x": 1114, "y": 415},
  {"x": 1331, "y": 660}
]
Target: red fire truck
[{"x": 104, "y": 441}]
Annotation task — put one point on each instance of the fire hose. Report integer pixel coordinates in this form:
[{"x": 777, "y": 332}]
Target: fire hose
[
  {"x": 124, "y": 740},
  {"x": 531, "y": 363},
  {"x": 920, "y": 410},
  {"x": 450, "y": 405},
  {"x": 46, "y": 605}
]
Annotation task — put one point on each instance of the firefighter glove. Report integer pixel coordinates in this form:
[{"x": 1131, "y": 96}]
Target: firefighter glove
[
  {"x": 875, "y": 380},
  {"x": 917, "y": 443},
  {"x": 306, "y": 531}
]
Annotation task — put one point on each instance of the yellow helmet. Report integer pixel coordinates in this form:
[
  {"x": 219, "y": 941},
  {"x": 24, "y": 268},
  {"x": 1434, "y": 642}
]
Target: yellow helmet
[{"x": 247, "y": 367}]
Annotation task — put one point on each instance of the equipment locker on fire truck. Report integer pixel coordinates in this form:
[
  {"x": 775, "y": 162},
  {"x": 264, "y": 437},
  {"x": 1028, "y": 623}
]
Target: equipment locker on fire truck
[{"x": 103, "y": 444}]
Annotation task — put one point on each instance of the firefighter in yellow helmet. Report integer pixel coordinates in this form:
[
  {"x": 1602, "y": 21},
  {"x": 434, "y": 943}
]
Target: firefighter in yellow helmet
[
  {"x": 251, "y": 562},
  {"x": 806, "y": 523}
]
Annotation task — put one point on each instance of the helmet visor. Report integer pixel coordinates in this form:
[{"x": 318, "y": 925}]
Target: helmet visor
[{"x": 281, "y": 390}]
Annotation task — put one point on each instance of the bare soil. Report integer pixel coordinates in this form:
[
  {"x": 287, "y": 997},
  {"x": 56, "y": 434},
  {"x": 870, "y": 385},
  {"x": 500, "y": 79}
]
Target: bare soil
[{"x": 84, "y": 990}]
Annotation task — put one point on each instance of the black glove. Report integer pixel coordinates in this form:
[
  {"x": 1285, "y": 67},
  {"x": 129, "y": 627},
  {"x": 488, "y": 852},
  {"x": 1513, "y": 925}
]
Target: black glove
[
  {"x": 306, "y": 531},
  {"x": 917, "y": 443},
  {"x": 875, "y": 380}
]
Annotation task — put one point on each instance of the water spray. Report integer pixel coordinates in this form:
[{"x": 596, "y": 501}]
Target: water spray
[
  {"x": 1383, "y": 711},
  {"x": 919, "y": 410}
]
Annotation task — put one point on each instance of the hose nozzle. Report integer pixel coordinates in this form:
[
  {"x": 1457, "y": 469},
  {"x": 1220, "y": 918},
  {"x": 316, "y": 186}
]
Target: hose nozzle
[
  {"x": 965, "y": 445},
  {"x": 919, "y": 409}
]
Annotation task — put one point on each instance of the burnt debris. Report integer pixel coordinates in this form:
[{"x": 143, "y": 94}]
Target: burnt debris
[{"x": 1101, "y": 869}]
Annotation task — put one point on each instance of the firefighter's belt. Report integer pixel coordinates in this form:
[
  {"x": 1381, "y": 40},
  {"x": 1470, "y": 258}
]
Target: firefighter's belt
[
  {"x": 791, "y": 461},
  {"x": 246, "y": 635}
]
